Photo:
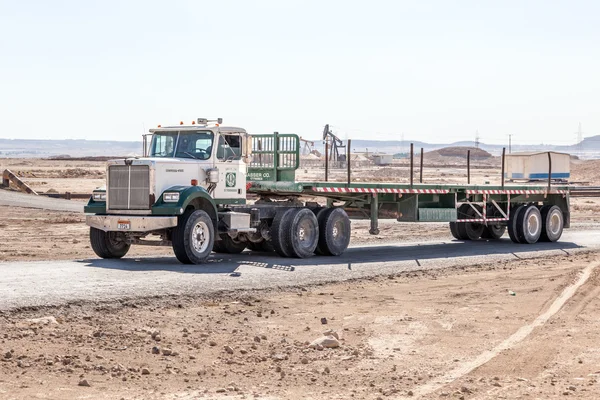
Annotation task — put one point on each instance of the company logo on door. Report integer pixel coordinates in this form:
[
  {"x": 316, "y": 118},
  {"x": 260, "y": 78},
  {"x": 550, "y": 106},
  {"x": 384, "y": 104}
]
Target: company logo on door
[{"x": 230, "y": 179}]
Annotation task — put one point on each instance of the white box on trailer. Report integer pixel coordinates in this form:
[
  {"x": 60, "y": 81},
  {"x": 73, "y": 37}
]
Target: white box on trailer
[{"x": 535, "y": 166}]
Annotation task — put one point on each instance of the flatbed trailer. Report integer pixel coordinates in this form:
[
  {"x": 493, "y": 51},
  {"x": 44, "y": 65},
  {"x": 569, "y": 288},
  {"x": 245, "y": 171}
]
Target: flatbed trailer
[
  {"x": 529, "y": 212},
  {"x": 425, "y": 202}
]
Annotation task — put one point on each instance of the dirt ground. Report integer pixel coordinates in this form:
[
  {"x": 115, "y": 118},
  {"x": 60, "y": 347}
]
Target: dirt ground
[
  {"x": 484, "y": 332},
  {"x": 420, "y": 335}
]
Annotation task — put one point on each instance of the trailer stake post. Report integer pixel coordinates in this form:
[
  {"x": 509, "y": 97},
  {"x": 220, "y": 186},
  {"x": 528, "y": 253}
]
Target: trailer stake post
[
  {"x": 549, "y": 171},
  {"x": 412, "y": 156},
  {"x": 421, "y": 168},
  {"x": 374, "y": 215},
  {"x": 469, "y": 167},
  {"x": 326, "y": 160},
  {"x": 503, "y": 156},
  {"x": 275, "y": 155},
  {"x": 348, "y": 158}
]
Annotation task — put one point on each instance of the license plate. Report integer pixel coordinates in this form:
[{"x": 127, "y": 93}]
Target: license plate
[{"x": 123, "y": 225}]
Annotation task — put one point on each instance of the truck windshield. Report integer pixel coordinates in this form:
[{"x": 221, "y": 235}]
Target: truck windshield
[{"x": 182, "y": 144}]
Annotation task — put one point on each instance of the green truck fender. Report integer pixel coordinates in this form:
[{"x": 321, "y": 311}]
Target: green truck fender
[{"x": 195, "y": 196}]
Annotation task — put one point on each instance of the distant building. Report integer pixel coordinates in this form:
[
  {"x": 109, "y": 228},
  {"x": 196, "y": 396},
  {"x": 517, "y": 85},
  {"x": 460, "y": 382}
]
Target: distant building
[{"x": 383, "y": 159}]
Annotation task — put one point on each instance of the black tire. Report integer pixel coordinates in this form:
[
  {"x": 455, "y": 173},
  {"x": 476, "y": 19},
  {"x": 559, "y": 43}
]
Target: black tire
[
  {"x": 321, "y": 220},
  {"x": 460, "y": 226},
  {"x": 512, "y": 223},
  {"x": 108, "y": 244},
  {"x": 334, "y": 231},
  {"x": 553, "y": 223},
  {"x": 529, "y": 225},
  {"x": 190, "y": 250},
  {"x": 454, "y": 230},
  {"x": 302, "y": 234},
  {"x": 469, "y": 230},
  {"x": 254, "y": 246},
  {"x": 493, "y": 231},
  {"x": 281, "y": 222},
  {"x": 229, "y": 245},
  {"x": 263, "y": 246}
]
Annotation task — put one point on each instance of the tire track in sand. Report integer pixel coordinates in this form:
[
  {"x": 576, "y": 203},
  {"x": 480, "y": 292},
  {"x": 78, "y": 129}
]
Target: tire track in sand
[{"x": 511, "y": 341}]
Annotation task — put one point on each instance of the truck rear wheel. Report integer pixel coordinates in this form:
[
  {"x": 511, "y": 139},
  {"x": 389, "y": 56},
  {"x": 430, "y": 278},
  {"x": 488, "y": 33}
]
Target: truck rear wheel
[
  {"x": 529, "y": 225},
  {"x": 108, "y": 244},
  {"x": 193, "y": 237},
  {"x": 229, "y": 245},
  {"x": 302, "y": 234},
  {"x": 281, "y": 223},
  {"x": 334, "y": 231},
  {"x": 512, "y": 223},
  {"x": 552, "y": 223}
]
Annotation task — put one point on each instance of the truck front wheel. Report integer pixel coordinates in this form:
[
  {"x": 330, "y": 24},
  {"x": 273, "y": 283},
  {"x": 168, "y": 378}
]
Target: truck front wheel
[
  {"x": 108, "y": 244},
  {"x": 193, "y": 237}
]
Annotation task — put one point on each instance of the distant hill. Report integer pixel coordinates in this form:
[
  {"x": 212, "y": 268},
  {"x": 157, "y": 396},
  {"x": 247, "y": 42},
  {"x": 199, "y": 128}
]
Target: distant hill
[
  {"x": 588, "y": 148},
  {"x": 73, "y": 148}
]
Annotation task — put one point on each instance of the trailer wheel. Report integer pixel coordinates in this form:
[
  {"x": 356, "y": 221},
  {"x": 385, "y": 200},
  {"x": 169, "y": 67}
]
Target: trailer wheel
[
  {"x": 193, "y": 237},
  {"x": 493, "y": 231},
  {"x": 460, "y": 226},
  {"x": 552, "y": 223},
  {"x": 108, "y": 244},
  {"x": 469, "y": 230},
  {"x": 529, "y": 225},
  {"x": 454, "y": 230},
  {"x": 281, "y": 223},
  {"x": 228, "y": 245},
  {"x": 512, "y": 223},
  {"x": 334, "y": 231}
]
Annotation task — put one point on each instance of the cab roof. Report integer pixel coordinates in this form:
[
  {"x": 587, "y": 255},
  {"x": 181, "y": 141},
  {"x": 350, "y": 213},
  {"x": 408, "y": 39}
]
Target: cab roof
[{"x": 193, "y": 128}]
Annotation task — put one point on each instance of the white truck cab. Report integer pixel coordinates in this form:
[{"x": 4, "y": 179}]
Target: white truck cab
[{"x": 185, "y": 154}]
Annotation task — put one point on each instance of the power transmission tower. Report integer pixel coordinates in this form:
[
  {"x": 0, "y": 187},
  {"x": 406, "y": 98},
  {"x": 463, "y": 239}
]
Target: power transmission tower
[
  {"x": 476, "y": 139},
  {"x": 509, "y": 143}
]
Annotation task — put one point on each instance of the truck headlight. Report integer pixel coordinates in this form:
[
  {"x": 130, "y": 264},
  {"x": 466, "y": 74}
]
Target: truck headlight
[
  {"x": 171, "y": 197},
  {"x": 99, "y": 196}
]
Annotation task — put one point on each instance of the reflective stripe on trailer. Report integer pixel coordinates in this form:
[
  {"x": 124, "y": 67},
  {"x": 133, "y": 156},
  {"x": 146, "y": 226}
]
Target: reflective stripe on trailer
[
  {"x": 482, "y": 220},
  {"x": 375, "y": 190},
  {"x": 509, "y": 191}
]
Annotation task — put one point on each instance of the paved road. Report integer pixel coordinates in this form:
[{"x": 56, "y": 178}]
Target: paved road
[
  {"x": 56, "y": 282},
  {"x": 17, "y": 199}
]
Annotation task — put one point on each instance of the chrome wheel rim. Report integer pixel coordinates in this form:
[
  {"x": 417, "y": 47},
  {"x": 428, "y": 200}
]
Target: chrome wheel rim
[
  {"x": 200, "y": 237},
  {"x": 555, "y": 223},
  {"x": 306, "y": 233},
  {"x": 336, "y": 229},
  {"x": 533, "y": 224}
]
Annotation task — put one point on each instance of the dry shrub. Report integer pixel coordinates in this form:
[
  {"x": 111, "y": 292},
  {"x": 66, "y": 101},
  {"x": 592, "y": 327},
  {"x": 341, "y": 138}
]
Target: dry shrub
[{"x": 66, "y": 220}]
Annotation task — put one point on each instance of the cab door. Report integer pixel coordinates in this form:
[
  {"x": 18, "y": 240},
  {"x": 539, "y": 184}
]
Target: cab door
[{"x": 232, "y": 168}]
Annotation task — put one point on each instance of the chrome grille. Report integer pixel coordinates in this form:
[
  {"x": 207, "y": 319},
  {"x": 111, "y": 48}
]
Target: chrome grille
[{"x": 129, "y": 187}]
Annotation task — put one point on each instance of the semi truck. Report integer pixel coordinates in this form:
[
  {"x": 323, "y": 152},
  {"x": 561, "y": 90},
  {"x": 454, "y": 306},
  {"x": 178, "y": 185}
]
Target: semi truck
[{"x": 205, "y": 187}]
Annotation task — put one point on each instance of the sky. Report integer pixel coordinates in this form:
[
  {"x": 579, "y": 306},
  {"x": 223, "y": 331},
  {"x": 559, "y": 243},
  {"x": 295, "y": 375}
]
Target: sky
[{"x": 430, "y": 70}]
